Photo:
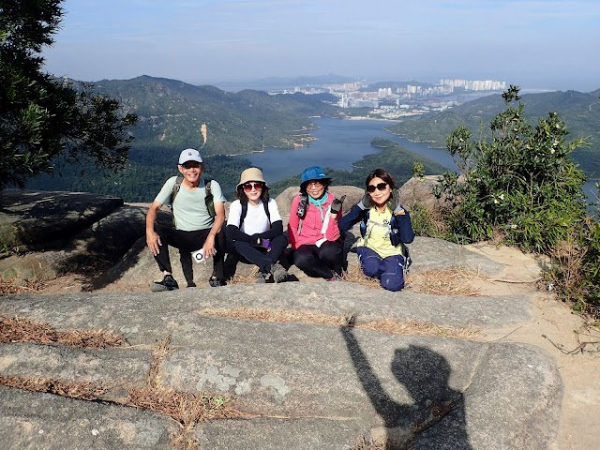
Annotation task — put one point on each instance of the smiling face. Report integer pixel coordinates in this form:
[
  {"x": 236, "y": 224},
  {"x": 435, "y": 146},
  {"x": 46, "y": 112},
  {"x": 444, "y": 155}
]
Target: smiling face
[
  {"x": 192, "y": 172},
  {"x": 315, "y": 188},
  {"x": 379, "y": 191},
  {"x": 253, "y": 190}
]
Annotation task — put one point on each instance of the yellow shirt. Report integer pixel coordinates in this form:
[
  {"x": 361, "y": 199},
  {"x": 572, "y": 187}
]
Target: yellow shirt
[{"x": 377, "y": 236}]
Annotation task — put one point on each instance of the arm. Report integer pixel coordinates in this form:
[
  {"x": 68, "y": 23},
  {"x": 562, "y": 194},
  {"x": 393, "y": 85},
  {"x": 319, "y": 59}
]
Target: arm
[
  {"x": 405, "y": 232},
  {"x": 152, "y": 238},
  {"x": 349, "y": 220},
  {"x": 209, "y": 244},
  {"x": 275, "y": 230}
]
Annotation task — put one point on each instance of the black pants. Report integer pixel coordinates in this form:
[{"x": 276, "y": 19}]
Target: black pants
[
  {"x": 253, "y": 255},
  {"x": 320, "y": 261},
  {"x": 187, "y": 242}
]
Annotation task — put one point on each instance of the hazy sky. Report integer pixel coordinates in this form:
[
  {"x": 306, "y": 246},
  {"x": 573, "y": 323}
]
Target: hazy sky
[{"x": 546, "y": 44}]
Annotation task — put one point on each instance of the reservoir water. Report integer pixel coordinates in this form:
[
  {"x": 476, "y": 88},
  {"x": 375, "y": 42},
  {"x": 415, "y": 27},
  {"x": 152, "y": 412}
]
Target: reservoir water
[{"x": 338, "y": 143}]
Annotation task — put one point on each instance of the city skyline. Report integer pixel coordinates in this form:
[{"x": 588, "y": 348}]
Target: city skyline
[{"x": 532, "y": 44}]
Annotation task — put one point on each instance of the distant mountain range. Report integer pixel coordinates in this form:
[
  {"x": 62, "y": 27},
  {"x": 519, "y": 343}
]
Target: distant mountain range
[{"x": 580, "y": 112}]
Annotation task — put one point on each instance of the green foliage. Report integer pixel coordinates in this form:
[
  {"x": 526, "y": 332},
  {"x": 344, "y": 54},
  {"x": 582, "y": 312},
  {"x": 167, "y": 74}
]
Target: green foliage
[
  {"x": 42, "y": 119},
  {"x": 581, "y": 113},
  {"x": 523, "y": 186},
  {"x": 418, "y": 170},
  {"x": 521, "y": 183}
]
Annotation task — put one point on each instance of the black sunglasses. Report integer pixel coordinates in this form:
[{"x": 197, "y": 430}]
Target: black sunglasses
[
  {"x": 249, "y": 186},
  {"x": 380, "y": 187}
]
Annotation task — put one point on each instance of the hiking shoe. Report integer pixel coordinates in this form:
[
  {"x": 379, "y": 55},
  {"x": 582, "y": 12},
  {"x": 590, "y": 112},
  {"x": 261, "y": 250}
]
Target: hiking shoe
[
  {"x": 215, "y": 282},
  {"x": 279, "y": 273},
  {"x": 336, "y": 277},
  {"x": 261, "y": 277},
  {"x": 168, "y": 283}
]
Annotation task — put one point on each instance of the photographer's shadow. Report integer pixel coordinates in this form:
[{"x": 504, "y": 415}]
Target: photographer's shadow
[{"x": 436, "y": 419}]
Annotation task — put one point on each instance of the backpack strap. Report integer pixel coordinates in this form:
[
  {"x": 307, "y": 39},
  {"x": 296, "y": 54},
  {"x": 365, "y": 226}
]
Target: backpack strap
[
  {"x": 209, "y": 200},
  {"x": 174, "y": 192},
  {"x": 301, "y": 210}
]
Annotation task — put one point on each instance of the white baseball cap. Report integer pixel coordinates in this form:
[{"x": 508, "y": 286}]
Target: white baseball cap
[{"x": 189, "y": 154}]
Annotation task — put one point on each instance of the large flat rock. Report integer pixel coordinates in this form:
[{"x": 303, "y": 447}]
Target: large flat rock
[{"x": 299, "y": 385}]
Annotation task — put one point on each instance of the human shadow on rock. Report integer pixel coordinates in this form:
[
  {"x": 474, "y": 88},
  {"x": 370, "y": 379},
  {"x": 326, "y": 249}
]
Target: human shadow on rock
[{"x": 435, "y": 420}]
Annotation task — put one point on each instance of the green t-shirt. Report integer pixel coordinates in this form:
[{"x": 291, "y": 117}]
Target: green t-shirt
[{"x": 189, "y": 208}]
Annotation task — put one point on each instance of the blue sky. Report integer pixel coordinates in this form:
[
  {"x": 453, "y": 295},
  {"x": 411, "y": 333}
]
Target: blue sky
[{"x": 541, "y": 44}]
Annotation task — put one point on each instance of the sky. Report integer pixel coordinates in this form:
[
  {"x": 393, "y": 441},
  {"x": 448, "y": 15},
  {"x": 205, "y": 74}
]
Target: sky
[{"x": 534, "y": 44}]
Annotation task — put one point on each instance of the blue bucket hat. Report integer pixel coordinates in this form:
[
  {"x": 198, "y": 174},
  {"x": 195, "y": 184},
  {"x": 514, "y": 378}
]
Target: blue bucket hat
[{"x": 313, "y": 173}]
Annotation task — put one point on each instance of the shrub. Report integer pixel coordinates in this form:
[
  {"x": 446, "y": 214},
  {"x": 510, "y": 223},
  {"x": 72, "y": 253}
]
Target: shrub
[{"x": 523, "y": 187}]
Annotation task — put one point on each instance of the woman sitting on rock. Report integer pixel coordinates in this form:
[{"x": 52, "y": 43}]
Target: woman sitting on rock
[
  {"x": 313, "y": 227},
  {"x": 385, "y": 228},
  {"x": 254, "y": 228}
]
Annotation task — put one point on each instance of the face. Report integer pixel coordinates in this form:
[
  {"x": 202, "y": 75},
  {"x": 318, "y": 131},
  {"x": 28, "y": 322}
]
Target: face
[
  {"x": 253, "y": 190},
  {"x": 191, "y": 171},
  {"x": 315, "y": 188},
  {"x": 379, "y": 191}
]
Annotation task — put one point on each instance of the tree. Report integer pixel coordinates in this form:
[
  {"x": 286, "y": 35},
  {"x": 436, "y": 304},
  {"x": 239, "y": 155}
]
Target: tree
[
  {"x": 522, "y": 184},
  {"x": 42, "y": 119}
]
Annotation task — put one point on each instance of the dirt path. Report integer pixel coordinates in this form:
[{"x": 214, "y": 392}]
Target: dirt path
[{"x": 570, "y": 339}]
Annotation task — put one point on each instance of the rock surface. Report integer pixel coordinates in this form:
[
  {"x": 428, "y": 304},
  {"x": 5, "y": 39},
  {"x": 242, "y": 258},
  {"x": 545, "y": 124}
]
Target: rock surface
[{"x": 273, "y": 366}]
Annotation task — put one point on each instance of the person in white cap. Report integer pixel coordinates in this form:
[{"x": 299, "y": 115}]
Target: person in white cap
[{"x": 197, "y": 223}]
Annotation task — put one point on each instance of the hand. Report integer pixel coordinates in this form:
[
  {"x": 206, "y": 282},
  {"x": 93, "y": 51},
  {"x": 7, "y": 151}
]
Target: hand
[
  {"x": 153, "y": 242},
  {"x": 336, "y": 205},
  {"x": 209, "y": 247}
]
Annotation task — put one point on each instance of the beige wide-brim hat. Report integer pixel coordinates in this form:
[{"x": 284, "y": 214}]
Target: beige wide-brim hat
[{"x": 252, "y": 174}]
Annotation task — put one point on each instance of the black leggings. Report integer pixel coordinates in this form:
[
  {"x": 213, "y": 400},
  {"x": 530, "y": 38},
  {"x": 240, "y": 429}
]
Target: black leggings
[
  {"x": 320, "y": 261},
  {"x": 187, "y": 242},
  {"x": 263, "y": 259}
]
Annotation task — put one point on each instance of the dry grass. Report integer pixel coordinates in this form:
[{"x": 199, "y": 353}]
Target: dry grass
[
  {"x": 17, "y": 329},
  {"x": 388, "y": 326},
  {"x": 82, "y": 391},
  {"x": 8, "y": 287},
  {"x": 454, "y": 281},
  {"x": 391, "y": 326},
  {"x": 355, "y": 275}
]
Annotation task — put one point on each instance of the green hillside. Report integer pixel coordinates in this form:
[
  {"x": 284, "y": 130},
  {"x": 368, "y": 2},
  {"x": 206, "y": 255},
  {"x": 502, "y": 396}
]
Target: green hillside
[
  {"x": 580, "y": 112},
  {"x": 171, "y": 112},
  {"x": 170, "y": 116}
]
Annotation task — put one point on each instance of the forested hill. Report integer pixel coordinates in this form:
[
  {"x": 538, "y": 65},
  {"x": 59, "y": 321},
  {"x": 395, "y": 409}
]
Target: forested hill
[
  {"x": 580, "y": 112},
  {"x": 171, "y": 113}
]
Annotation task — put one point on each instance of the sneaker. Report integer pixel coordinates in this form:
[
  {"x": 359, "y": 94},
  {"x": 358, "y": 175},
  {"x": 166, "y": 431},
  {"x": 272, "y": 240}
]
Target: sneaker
[
  {"x": 168, "y": 283},
  {"x": 261, "y": 277},
  {"x": 191, "y": 284},
  {"x": 215, "y": 282},
  {"x": 279, "y": 273},
  {"x": 336, "y": 277}
]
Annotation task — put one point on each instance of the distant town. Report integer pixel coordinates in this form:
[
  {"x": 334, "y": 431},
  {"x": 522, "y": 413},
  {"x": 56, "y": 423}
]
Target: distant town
[{"x": 398, "y": 100}]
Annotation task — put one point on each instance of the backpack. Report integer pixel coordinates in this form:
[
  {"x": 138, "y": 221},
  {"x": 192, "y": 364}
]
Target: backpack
[
  {"x": 245, "y": 212},
  {"x": 363, "y": 231},
  {"x": 208, "y": 198}
]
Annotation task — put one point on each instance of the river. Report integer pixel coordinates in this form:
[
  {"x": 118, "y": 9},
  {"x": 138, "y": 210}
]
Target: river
[{"x": 338, "y": 143}]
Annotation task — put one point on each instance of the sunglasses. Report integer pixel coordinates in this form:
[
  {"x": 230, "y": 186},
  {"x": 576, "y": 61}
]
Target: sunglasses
[
  {"x": 380, "y": 187},
  {"x": 249, "y": 186},
  {"x": 191, "y": 165}
]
